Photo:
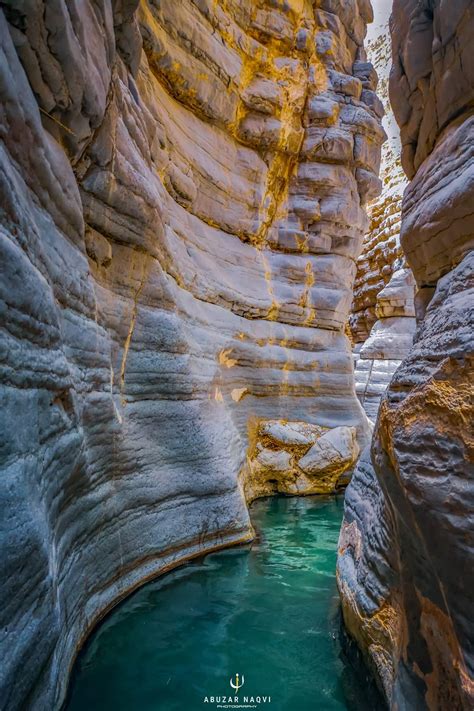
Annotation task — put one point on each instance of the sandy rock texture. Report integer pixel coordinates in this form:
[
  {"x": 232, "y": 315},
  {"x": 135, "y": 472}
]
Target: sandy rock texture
[
  {"x": 183, "y": 191},
  {"x": 406, "y": 553}
]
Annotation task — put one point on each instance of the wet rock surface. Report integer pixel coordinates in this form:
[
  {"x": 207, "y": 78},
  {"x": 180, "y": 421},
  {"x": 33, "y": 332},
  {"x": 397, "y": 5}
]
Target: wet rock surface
[
  {"x": 183, "y": 191},
  {"x": 406, "y": 547}
]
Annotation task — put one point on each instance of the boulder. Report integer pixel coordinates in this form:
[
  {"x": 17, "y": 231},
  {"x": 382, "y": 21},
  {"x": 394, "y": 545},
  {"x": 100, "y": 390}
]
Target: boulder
[
  {"x": 333, "y": 453},
  {"x": 291, "y": 434}
]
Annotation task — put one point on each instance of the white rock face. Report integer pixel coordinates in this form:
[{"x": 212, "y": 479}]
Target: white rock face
[
  {"x": 335, "y": 450},
  {"x": 291, "y": 433},
  {"x": 389, "y": 341},
  {"x": 372, "y": 379},
  {"x": 382, "y": 253},
  {"x": 383, "y": 311},
  {"x": 398, "y": 297}
]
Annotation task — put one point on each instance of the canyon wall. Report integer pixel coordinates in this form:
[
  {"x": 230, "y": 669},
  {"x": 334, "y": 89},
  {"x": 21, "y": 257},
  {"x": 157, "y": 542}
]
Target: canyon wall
[
  {"x": 382, "y": 320},
  {"x": 381, "y": 252},
  {"x": 182, "y": 196},
  {"x": 406, "y": 552}
]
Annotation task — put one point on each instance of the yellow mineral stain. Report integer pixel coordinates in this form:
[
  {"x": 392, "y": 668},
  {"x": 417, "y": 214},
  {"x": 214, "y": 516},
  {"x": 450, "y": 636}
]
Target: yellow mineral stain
[
  {"x": 225, "y": 360},
  {"x": 310, "y": 318},
  {"x": 238, "y": 393},
  {"x": 274, "y": 309},
  {"x": 273, "y": 312},
  {"x": 305, "y": 298},
  {"x": 131, "y": 328},
  {"x": 449, "y": 669}
]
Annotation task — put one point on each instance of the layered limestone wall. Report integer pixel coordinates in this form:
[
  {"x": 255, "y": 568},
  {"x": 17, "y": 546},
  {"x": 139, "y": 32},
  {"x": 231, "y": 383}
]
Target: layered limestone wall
[
  {"x": 405, "y": 567},
  {"x": 183, "y": 188},
  {"x": 382, "y": 256},
  {"x": 381, "y": 253},
  {"x": 390, "y": 340}
]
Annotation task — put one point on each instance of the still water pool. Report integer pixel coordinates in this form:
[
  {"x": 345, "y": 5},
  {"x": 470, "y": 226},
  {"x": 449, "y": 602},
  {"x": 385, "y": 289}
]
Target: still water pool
[{"x": 268, "y": 611}]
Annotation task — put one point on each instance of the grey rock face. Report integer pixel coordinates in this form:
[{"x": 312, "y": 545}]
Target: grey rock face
[
  {"x": 407, "y": 549},
  {"x": 182, "y": 200},
  {"x": 432, "y": 90},
  {"x": 405, "y": 563}
]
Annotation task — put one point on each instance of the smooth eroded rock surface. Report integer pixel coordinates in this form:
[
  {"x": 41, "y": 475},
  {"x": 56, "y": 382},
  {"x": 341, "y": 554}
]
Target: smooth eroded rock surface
[
  {"x": 384, "y": 285},
  {"x": 389, "y": 341}
]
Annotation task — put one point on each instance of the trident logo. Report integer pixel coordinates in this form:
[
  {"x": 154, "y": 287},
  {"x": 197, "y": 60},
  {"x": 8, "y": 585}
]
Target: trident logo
[{"x": 237, "y": 685}]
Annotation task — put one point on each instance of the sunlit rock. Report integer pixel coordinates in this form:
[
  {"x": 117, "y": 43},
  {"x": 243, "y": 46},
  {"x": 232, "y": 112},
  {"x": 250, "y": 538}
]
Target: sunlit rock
[
  {"x": 291, "y": 434},
  {"x": 333, "y": 453}
]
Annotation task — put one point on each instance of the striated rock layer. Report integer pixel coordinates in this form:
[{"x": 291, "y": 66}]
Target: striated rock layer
[
  {"x": 389, "y": 341},
  {"x": 381, "y": 253},
  {"x": 406, "y": 554},
  {"x": 182, "y": 193},
  {"x": 381, "y": 337},
  {"x": 382, "y": 263}
]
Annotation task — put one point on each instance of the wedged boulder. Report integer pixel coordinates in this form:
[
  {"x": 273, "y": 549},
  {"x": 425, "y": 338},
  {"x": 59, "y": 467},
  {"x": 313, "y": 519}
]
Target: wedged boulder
[
  {"x": 276, "y": 461},
  {"x": 291, "y": 434},
  {"x": 333, "y": 453},
  {"x": 274, "y": 464},
  {"x": 270, "y": 471}
]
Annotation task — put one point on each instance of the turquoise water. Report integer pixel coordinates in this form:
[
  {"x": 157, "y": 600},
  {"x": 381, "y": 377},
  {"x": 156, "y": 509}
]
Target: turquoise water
[{"x": 267, "y": 611}]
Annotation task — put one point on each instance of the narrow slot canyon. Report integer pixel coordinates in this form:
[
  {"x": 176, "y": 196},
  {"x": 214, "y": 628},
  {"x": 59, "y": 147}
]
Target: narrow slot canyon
[{"x": 236, "y": 355}]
